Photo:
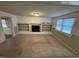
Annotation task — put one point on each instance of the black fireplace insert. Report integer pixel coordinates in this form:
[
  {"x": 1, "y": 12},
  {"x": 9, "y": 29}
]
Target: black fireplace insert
[{"x": 35, "y": 28}]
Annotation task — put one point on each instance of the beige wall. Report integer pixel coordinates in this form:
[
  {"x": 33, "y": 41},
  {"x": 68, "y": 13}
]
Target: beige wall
[
  {"x": 25, "y": 19},
  {"x": 75, "y": 30}
]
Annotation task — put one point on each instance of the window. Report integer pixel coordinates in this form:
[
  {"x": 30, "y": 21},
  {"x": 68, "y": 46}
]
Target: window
[
  {"x": 66, "y": 25},
  {"x": 59, "y": 25},
  {"x": 4, "y": 24}
]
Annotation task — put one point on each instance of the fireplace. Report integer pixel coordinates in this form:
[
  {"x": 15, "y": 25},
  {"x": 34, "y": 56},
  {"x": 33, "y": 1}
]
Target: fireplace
[{"x": 35, "y": 28}]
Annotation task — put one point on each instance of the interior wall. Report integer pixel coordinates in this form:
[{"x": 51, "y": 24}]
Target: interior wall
[
  {"x": 53, "y": 22},
  {"x": 75, "y": 30},
  {"x": 24, "y": 19},
  {"x": 33, "y": 20},
  {"x": 13, "y": 18},
  {"x": 72, "y": 41}
]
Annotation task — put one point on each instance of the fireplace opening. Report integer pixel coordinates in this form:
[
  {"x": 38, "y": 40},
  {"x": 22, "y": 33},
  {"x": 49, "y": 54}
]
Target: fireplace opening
[{"x": 35, "y": 28}]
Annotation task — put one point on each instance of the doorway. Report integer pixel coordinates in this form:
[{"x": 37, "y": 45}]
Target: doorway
[{"x": 6, "y": 25}]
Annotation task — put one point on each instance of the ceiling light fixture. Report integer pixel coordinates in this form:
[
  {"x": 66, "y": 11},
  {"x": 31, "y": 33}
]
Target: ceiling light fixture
[{"x": 36, "y": 14}]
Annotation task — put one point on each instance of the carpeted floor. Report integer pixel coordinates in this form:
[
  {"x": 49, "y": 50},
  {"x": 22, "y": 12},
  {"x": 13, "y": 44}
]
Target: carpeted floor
[{"x": 33, "y": 46}]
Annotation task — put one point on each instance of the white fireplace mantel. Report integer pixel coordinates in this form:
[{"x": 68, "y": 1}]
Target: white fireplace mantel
[{"x": 30, "y": 29}]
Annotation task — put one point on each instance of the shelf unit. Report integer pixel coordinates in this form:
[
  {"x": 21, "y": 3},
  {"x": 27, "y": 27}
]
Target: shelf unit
[
  {"x": 23, "y": 27},
  {"x": 46, "y": 27}
]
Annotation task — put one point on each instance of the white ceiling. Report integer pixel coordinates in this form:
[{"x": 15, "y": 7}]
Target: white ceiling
[{"x": 45, "y": 8}]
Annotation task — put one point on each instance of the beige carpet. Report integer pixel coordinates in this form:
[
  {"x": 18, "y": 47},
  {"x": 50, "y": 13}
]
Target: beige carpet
[{"x": 33, "y": 46}]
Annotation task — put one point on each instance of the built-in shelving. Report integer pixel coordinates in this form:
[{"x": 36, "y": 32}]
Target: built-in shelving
[
  {"x": 46, "y": 27},
  {"x": 23, "y": 27}
]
